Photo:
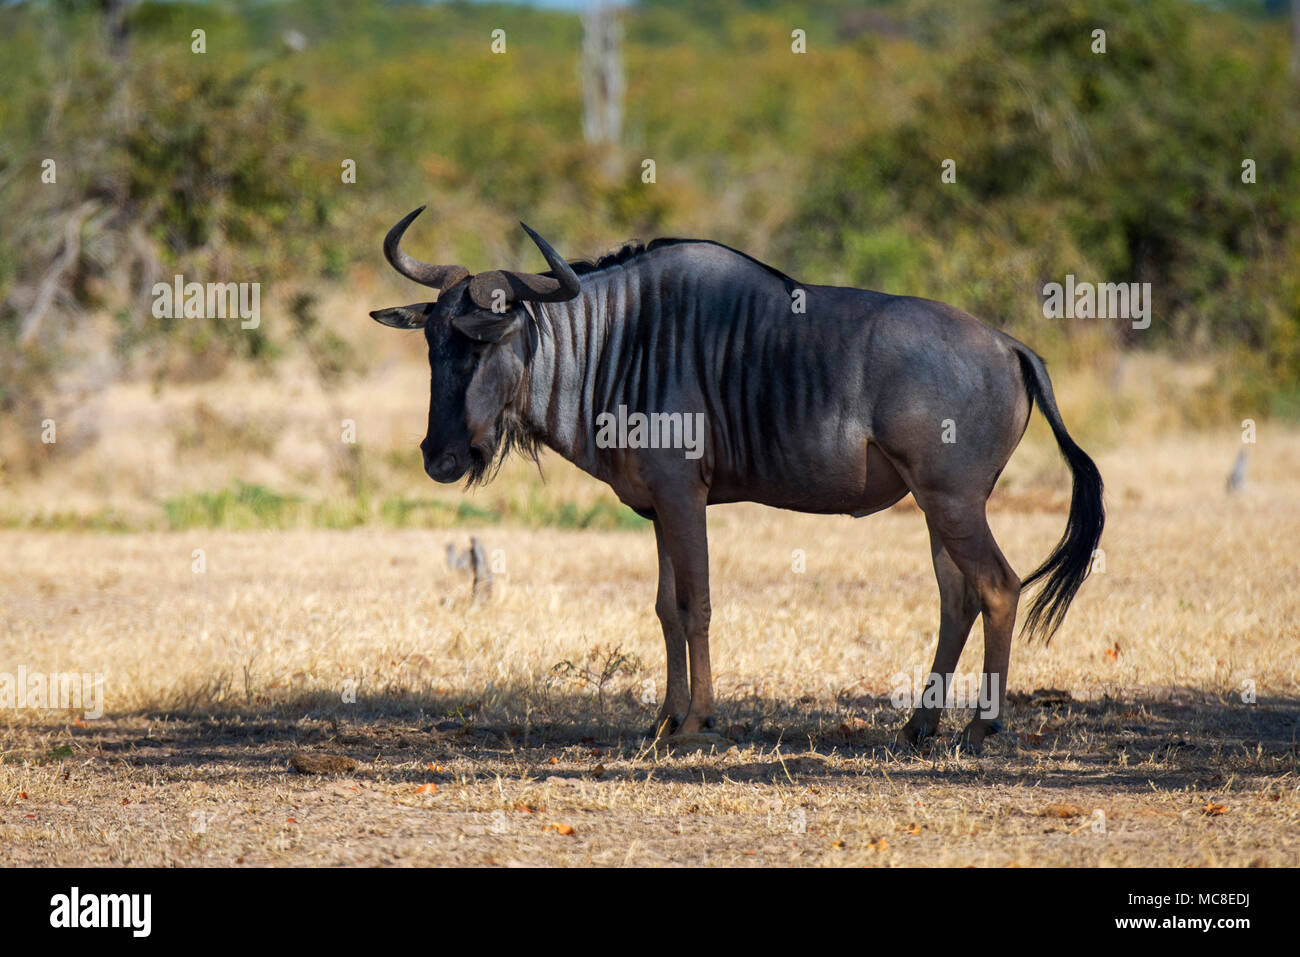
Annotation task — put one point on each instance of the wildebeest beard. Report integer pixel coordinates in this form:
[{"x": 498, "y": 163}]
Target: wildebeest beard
[{"x": 509, "y": 435}]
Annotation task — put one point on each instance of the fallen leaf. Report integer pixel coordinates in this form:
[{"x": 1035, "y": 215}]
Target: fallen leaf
[
  {"x": 523, "y": 808},
  {"x": 429, "y": 788},
  {"x": 878, "y": 844},
  {"x": 1063, "y": 811},
  {"x": 1214, "y": 810},
  {"x": 837, "y": 844},
  {"x": 912, "y": 828},
  {"x": 561, "y": 829},
  {"x": 433, "y": 767},
  {"x": 22, "y": 795},
  {"x": 598, "y": 770},
  {"x": 854, "y": 726},
  {"x": 1113, "y": 653}
]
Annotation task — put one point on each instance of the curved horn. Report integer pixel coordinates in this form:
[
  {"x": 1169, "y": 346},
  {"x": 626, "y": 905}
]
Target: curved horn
[
  {"x": 427, "y": 274},
  {"x": 527, "y": 286}
]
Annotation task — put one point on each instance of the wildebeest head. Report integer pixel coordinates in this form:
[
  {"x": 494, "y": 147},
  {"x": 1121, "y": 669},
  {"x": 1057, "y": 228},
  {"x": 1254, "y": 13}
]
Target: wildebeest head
[{"x": 481, "y": 334}]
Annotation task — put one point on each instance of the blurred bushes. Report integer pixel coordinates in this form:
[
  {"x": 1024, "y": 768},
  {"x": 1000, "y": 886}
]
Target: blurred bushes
[
  {"x": 1118, "y": 167},
  {"x": 167, "y": 162}
]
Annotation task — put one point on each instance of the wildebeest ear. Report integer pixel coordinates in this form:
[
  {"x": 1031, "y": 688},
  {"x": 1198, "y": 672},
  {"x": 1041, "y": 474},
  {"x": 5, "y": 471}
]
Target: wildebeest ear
[
  {"x": 401, "y": 317},
  {"x": 488, "y": 326}
]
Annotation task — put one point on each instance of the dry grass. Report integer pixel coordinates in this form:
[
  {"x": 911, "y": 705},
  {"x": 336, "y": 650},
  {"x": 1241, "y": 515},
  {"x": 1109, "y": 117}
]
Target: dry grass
[{"x": 214, "y": 681}]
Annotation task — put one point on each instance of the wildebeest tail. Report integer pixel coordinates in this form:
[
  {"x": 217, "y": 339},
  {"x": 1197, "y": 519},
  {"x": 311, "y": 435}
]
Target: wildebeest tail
[{"x": 1065, "y": 569}]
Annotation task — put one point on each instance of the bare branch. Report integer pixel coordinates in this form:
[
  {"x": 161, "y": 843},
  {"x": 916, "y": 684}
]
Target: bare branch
[{"x": 53, "y": 279}]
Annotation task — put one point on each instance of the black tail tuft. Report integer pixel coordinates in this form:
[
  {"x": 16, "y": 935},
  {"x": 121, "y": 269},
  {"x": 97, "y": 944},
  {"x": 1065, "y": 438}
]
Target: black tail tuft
[{"x": 1070, "y": 562}]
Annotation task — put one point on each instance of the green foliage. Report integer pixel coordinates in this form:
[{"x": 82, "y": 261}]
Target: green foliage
[
  {"x": 432, "y": 513},
  {"x": 1122, "y": 166},
  {"x": 218, "y": 159},
  {"x": 245, "y": 506},
  {"x": 201, "y": 164},
  {"x": 242, "y": 506}
]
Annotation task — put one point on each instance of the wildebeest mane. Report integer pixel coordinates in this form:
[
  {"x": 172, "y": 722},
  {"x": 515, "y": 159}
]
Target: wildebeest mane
[
  {"x": 514, "y": 434},
  {"x": 633, "y": 248}
]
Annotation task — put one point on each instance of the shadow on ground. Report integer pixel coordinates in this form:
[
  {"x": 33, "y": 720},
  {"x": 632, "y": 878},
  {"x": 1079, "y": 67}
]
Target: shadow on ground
[{"x": 1180, "y": 736}]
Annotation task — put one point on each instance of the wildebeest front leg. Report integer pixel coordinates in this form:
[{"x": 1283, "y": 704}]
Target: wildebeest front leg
[
  {"x": 958, "y": 607},
  {"x": 677, "y": 697},
  {"x": 680, "y": 517}
]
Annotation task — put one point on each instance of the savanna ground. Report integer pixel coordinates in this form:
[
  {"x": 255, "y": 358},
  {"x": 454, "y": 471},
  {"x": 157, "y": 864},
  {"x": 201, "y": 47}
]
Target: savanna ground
[{"x": 485, "y": 732}]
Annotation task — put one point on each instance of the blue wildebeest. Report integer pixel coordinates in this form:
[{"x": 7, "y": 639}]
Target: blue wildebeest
[{"x": 814, "y": 398}]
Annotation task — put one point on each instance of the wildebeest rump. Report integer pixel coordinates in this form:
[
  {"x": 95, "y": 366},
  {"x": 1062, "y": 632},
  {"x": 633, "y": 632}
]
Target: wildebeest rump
[{"x": 814, "y": 398}]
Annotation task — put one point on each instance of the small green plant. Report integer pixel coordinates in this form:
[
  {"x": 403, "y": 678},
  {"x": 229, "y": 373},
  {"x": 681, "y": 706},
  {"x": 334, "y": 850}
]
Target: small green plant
[{"x": 601, "y": 665}]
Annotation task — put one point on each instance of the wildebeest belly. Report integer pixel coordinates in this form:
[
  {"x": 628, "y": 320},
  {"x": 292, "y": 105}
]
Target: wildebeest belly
[{"x": 855, "y": 480}]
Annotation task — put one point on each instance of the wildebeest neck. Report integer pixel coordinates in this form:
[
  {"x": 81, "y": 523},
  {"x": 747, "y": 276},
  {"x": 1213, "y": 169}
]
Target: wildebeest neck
[
  {"x": 572, "y": 374},
  {"x": 667, "y": 331}
]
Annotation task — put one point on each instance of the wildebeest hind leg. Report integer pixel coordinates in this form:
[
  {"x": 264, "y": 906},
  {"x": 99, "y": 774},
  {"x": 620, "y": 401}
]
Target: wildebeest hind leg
[
  {"x": 961, "y": 525},
  {"x": 958, "y": 606}
]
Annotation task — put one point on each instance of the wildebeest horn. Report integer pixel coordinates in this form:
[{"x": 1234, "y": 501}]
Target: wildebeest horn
[
  {"x": 427, "y": 274},
  {"x": 527, "y": 286}
]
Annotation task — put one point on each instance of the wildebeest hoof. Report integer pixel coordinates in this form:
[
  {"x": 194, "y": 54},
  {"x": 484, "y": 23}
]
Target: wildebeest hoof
[
  {"x": 694, "y": 725},
  {"x": 972, "y": 738},
  {"x": 913, "y": 734},
  {"x": 666, "y": 724},
  {"x": 697, "y": 741}
]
